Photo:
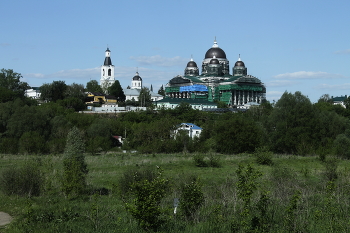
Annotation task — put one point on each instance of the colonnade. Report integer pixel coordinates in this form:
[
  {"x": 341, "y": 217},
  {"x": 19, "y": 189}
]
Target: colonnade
[{"x": 240, "y": 97}]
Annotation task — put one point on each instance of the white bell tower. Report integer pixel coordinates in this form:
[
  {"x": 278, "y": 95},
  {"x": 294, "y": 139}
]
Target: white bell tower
[
  {"x": 107, "y": 71},
  {"x": 136, "y": 82}
]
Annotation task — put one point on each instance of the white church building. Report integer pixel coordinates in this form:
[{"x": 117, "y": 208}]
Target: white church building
[
  {"x": 135, "y": 89},
  {"x": 107, "y": 79}
]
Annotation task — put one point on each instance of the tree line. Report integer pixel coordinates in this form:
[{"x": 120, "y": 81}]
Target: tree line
[{"x": 292, "y": 125}]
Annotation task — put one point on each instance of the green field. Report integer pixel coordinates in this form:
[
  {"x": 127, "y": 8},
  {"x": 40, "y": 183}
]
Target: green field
[{"x": 299, "y": 195}]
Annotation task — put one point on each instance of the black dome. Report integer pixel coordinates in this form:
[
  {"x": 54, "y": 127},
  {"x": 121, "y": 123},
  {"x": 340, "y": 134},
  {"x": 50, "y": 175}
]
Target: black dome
[
  {"x": 136, "y": 77},
  {"x": 217, "y": 52},
  {"x": 108, "y": 61},
  {"x": 214, "y": 61},
  {"x": 239, "y": 63},
  {"x": 191, "y": 64}
]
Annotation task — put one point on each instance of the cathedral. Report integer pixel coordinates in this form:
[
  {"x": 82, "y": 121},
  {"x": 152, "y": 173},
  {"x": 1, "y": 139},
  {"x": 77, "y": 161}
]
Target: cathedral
[{"x": 215, "y": 83}]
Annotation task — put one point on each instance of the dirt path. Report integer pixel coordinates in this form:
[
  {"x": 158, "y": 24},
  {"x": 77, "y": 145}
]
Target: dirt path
[{"x": 5, "y": 218}]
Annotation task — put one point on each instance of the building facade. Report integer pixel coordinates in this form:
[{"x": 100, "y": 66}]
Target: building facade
[{"x": 215, "y": 83}]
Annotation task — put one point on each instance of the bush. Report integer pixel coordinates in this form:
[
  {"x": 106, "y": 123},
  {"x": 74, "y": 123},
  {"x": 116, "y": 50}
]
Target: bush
[
  {"x": 331, "y": 166},
  {"x": 263, "y": 156},
  {"x": 126, "y": 182},
  {"x": 74, "y": 176},
  {"x": 191, "y": 197},
  {"x": 342, "y": 146},
  {"x": 75, "y": 168},
  {"x": 24, "y": 181},
  {"x": 31, "y": 143},
  {"x": 147, "y": 195},
  {"x": 199, "y": 160},
  {"x": 214, "y": 161}
]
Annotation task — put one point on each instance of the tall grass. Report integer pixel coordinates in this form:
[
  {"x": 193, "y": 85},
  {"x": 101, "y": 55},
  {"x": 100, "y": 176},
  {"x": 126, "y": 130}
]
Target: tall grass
[{"x": 321, "y": 205}]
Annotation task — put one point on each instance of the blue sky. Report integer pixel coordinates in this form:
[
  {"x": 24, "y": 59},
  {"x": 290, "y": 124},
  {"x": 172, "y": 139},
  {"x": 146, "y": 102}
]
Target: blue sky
[{"x": 289, "y": 45}]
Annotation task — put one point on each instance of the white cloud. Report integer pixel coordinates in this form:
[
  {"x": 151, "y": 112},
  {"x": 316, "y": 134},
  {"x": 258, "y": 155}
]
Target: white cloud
[
  {"x": 158, "y": 60},
  {"x": 344, "y": 86},
  {"x": 79, "y": 74},
  {"x": 346, "y": 51},
  {"x": 123, "y": 74},
  {"x": 280, "y": 83},
  {"x": 308, "y": 75}
]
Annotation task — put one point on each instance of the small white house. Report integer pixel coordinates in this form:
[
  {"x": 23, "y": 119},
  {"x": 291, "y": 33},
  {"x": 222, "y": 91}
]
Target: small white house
[
  {"x": 33, "y": 93},
  {"x": 193, "y": 130}
]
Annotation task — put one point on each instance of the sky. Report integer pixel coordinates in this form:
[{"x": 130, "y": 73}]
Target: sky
[{"x": 289, "y": 45}]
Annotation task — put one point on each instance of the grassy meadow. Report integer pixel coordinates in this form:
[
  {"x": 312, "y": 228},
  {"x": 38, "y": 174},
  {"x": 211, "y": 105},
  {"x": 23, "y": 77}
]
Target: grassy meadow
[{"x": 293, "y": 194}]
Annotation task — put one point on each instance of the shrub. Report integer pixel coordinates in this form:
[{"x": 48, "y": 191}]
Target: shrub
[
  {"x": 75, "y": 168},
  {"x": 214, "y": 161},
  {"x": 25, "y": 181},
  {"x": 191, "y": 197},
  {"x": 147, "y": 195},
  {"x": 263, "y": 156},
  {"x": 129, "y": 177},
  {"x": 74, "y": 176},
  {"x": 331, "y": 166},
  {"x": 31, "y": 143},
  {"x": 342, "y": 146},
  {"x": 199, "y": 160},
  {"x": 247, "y": 182}
]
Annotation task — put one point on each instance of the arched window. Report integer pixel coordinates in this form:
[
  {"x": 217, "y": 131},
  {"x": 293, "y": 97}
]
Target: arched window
[
  {"x": 103, "y": 72},
  {"x": 109, "y": 72}
]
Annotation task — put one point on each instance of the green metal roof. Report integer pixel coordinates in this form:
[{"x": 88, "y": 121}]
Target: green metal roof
[{"x": 339, "y": 98}]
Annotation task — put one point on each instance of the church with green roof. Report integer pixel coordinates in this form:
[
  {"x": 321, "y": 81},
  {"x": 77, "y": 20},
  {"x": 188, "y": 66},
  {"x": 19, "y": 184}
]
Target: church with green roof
[{"x": 215, "y": 83}]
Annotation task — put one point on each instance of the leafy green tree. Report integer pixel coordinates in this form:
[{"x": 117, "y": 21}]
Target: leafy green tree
[
  {"x": 28, "y": 118},
  {"x": 12, "y": 81},
  {"x": 191, "y": 196},
  {"x": 99, "y": 134},
  {"x": 60, "y": 128},
  {"x": 53, "y": 91},
  {"x": 75, "y": 91},
  {"x": 161, "y": 91},
  {"x": 342, "y": 146},
  {"x": 31, "y": 143},
  {"x": 145, "y": 99},
  {"x": 221, "y": 104},
  {"x": 116, "y": 90},
  {"x": 325, "y": 98},
  {"x": 75, "y": 168},
  {"x": 7, "y": 95},
  {"x": 291, "y": 124},
  {"x": 77, "y": 104},
  {"x": 93, "y": 86},
  {"x": 246, "y": 186},
  {"x": 247, "y": 182},
  {"x": 147, "y": 195},
  {"x": 237, "y": 134},
  {"x": 347, "y": 103}
]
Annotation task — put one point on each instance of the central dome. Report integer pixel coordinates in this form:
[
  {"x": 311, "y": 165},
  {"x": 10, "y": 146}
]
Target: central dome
[{"x": 215, "y": 51}]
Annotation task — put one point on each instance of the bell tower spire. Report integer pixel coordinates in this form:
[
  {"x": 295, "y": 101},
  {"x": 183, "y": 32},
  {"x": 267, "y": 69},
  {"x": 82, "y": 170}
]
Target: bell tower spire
[{"x": 107, "y": 71}]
